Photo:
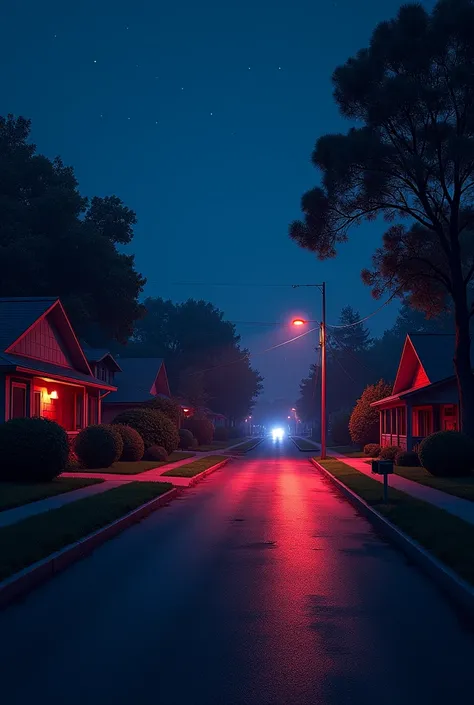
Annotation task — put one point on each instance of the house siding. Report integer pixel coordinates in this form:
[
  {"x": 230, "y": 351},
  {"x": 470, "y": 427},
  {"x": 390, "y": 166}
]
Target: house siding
[{"x": 42, "y": 343}]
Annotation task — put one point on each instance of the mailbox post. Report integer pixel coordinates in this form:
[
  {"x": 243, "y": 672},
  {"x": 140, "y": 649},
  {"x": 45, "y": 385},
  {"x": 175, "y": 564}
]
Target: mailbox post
[{"x": 385, "y": 468}]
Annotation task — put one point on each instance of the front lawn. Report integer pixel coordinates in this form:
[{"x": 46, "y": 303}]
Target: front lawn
[
  {"x": 33, "y": 539},
  {"x": 449, "y": 538},
  {"x": 196, "y": 467},
  {"x": 15, "y": 494},
  {"x": 459, "y": 486},
  {"x": 137, "y": 466}
]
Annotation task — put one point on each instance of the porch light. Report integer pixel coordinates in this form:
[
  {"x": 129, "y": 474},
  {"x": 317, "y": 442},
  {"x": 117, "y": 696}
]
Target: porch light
[
  {"x": 185, "y": 410},
  {"x": 53, "y": 395}
]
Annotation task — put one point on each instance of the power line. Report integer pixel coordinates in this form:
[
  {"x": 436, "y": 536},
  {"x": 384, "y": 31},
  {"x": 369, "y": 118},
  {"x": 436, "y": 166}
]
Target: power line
[
  {"x": 235, "y": 284},
  {"x": 366, "y": 318},
  {"x": 248, "y": 354}
]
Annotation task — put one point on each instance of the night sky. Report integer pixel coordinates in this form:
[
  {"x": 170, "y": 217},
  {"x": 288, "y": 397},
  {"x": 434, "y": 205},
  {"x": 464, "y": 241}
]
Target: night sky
[{"x": 202, "y": 117}]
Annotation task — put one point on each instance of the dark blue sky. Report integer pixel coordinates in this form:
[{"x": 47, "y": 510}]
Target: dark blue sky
[{"x": 202, "y": 117}]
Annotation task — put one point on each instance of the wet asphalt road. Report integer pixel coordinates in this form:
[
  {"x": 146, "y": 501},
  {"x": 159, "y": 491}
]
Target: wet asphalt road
[{"x": 261, "y": 586}]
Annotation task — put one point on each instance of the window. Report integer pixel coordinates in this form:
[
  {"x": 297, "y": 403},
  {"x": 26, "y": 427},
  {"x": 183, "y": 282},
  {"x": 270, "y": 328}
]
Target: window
[
  {"x": 93, "y": 410},
  {"x": 423, "y": 422},
  {"x": 17, "y": 400},
  {"x": 37, "y": 403},
  {"x": 388, "y": 421},
  {"x": 79, "y": 412},
  {"x": 402, "y": 421}
]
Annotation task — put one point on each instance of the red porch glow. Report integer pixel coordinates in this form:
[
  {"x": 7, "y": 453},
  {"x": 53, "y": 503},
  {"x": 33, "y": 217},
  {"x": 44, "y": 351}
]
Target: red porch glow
[{"x": 54, "y": 395}]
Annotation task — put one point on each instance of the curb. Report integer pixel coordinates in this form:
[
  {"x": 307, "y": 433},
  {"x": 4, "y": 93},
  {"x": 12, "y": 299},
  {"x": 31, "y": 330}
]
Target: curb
[
  {"x": 460, "y": 592},
  {"x": 197, "y": 478},
  {"x": 23, "y": 582}
]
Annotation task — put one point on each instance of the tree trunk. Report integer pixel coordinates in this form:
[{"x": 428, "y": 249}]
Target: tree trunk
[{"x": 462, "y": 360}]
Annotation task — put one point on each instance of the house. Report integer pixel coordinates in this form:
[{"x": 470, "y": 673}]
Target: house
[
  {"x": 140, "y": 379},
  {"x": 43, "y": 368},
  {"x": 424, "y": 398}
]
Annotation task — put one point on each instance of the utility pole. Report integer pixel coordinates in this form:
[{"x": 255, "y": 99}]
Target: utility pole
[
  {"x": 322, "y": 343},
  {"x": 323, "y": 374}
]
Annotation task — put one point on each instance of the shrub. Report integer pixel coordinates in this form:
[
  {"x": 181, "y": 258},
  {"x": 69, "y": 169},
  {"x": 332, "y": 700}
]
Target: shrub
[
  {"x": 154, "y": 427},
  {"x": 202, "y": 429},
  {"x": 447, "y": 454},
  {"x": 186, "y": 439},
  {"x": 389, "y": 452},
  {"x": 168, "y": 407},
  {"x": 340, "y": 433},
  {"x": 407, "y": 459},
  {"x": 157, "y": 453},
  {"x": 372, "y": 450},
  {"x": 133, "y": 446},
  {"x": 364, "y": 422},
  {"x": 221, "y": 434},
  {"x": 99, "y": 446},
  {"x": 32, "y": 450}
]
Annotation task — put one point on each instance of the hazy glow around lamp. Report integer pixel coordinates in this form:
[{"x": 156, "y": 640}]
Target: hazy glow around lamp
[{"x": 53, "y": 395}]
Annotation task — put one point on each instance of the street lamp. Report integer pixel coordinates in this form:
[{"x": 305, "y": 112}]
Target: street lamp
[{"x": 322, "y": 341}]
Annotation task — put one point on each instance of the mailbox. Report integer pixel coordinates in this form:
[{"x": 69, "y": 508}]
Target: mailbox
[{"x": 382, "y": 467}]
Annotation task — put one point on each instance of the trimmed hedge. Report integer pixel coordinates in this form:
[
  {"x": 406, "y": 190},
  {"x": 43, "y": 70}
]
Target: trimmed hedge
[
  {"x": 34, "y": 450},
  {"x": 154, "y": 427},
  {"x": 407, "y": 459},
  {"x": 202, "y": 429},
  {"x": 99, "y": 446},
  {"x": 389, "y": 452},
  {"x": 372, "y": 450},
  {"x": 186, "y": 439},
  {"x": 447, "y": 454},
  {"x": 168, "y": 407},
  {"x": 157, "y": 453},
  {"x": 133, "y": 446}
]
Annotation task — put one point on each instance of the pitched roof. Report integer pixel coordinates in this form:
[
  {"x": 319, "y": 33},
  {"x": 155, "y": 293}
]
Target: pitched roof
[
  {"x": 136, "y": 379},
  {"x": 98, "y": 354},
  {"x": 48, "y": 368},
  {"x": 17, "y": 314}
]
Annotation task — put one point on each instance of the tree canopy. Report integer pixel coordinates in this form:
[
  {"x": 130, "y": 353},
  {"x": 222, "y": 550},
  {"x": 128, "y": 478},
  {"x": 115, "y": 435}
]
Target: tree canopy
[
  {"x": 205, "y": 362},
  {"x": 410, "y": 160},
  {"x": 54, "y": 242}
]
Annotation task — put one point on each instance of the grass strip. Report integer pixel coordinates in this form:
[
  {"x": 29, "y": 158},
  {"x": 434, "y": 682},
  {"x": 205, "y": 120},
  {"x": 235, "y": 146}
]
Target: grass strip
[
  {"x": 215, "y": 445},
  {"x": 247, "y": 445},
  {"x": 137, "y": 466},
  {"x": 348, "y": 451},
  {"x": 303, "y": 444},
  {"x": 458, "y": 486},
  {"x": 446, "y": 536},
  {"x": 16, "y": 494},
  {"x": 37, "y": 537},
  {"x": 196, "y": 467}
]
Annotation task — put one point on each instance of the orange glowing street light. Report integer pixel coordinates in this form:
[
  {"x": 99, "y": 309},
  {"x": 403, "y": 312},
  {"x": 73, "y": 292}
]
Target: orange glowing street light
[{"x": 322, "y": 342}]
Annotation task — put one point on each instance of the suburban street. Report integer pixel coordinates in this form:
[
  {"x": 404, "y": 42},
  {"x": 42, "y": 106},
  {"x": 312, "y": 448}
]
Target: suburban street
[{"x": 259, "y": 586}]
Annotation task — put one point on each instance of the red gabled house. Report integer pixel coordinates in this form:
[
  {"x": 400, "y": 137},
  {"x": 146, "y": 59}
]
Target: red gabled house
[
  {"x": 424, "y": 398},
  {"x": 140, "y": 379},
  {"x": 43, "y": 369}
]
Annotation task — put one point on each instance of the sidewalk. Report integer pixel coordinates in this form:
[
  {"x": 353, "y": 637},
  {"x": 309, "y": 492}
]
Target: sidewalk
[
  {"x": 155, "y": 474},
  {"x": 12, "y": 516},
  {"x": 462, "y": 508}
]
